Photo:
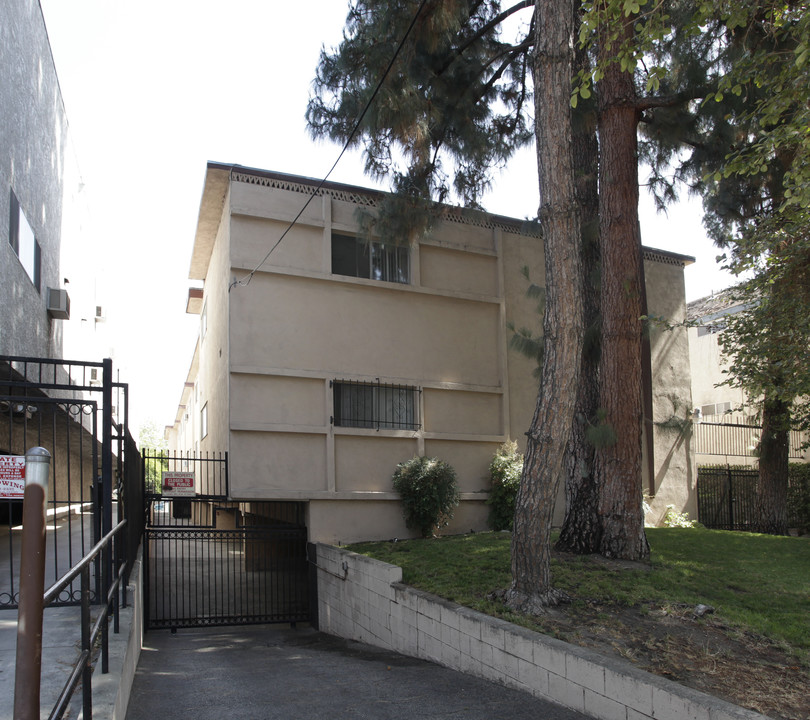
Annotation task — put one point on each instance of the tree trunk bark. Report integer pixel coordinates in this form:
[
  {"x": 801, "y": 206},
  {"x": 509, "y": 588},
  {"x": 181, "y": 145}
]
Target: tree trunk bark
[
  {"x": 774, "y": 451},
  {"x": 618, "y": 460},
  {"x": 548, "y": 435},
  {"x": 580, "y": 530}
]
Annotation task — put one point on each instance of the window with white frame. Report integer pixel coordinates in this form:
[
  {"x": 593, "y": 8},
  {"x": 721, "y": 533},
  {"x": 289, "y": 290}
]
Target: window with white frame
[
  {"x": 715, "y": 409},
  {"x": 204, "y": 421},
  {"x": 204, "y": 321},
  {"x": 375, "y": 405},
  {"x": 24, "y": 243},
  {"x": 355, "y": 257}
]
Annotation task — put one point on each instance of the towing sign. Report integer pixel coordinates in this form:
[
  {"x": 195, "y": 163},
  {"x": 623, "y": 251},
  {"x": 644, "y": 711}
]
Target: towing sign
[{"x": 12, "y": 476}]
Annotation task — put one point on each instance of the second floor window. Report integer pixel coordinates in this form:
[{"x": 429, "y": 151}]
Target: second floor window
[
  {"x": 355, "y": 257},
  {"x": 375, "y": 405}
]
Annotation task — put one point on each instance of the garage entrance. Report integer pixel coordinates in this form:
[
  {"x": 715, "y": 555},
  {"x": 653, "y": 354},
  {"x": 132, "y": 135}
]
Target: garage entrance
[{"x": 212, "y": 561}]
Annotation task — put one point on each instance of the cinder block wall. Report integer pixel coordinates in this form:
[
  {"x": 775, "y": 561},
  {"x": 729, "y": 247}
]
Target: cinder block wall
[{"x": 363, "y": 599}]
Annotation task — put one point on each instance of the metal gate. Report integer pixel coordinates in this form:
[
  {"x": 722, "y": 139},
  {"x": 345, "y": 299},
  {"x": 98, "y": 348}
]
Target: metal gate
[
  {"x": 78, "y": 413},
  {"x": 211, "y": 561}
]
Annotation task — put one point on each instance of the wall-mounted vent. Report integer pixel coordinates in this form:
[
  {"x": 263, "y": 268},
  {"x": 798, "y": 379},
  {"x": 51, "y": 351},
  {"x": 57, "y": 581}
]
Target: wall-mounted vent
[
  {"x": 58, "y": 304},
  {"x": 99, "y": 313}
]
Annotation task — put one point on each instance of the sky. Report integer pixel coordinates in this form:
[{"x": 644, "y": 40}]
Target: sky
[{"x": 154, "y": 90}]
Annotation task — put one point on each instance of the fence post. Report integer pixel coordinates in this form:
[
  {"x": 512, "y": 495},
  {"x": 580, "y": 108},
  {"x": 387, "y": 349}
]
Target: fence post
[
  {"x": 730, "y": 498},
  {"x": 28, "y": 671}
]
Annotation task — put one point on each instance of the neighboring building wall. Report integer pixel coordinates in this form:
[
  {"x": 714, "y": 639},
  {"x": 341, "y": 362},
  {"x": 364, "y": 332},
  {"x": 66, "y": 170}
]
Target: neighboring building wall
[
  {"x": 713, "y": 401},
  {"x": 34, "y": 143},
  {"x": 708, "y": 367},
  {"x": 276, "y": 343}
]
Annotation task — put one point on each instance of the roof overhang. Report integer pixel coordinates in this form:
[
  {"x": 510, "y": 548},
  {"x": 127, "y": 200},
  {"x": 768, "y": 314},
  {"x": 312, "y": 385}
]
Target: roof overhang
[{"x": 212, "y": 205}]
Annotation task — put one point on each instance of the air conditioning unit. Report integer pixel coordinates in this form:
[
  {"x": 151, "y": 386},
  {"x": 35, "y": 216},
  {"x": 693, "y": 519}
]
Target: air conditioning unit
[{"x": 58, "y": 304}]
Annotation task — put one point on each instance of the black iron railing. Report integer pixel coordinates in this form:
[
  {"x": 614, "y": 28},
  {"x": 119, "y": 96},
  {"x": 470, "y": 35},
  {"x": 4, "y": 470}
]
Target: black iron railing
[{"x": 83, "y": 667}]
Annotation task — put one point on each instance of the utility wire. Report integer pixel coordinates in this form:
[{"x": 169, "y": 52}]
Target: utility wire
[{"x": 245, "y": 281}]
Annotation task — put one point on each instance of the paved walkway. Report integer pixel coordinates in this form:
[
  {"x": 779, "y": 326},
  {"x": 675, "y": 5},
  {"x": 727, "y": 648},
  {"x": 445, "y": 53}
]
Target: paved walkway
[{"x": 265, "y": 672}]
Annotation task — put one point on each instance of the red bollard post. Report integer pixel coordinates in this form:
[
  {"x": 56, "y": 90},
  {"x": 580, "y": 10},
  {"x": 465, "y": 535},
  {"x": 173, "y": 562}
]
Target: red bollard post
[{"x": 28, "y": 671}]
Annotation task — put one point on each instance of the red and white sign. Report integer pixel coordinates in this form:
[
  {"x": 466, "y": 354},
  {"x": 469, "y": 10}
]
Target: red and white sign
[
  {"x": 178, "y": 484},
  {"x": 12, "y": 476}
]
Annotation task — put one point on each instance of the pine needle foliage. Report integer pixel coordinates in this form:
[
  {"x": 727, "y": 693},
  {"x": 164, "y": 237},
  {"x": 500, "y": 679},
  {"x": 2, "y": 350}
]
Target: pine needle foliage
[{"x": 454, "y": 106}]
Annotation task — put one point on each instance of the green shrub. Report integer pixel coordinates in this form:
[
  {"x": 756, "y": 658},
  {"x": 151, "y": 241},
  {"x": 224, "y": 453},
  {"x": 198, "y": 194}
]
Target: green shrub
[
  {"x": 673, "y": 518},
  {"x": 504, "y": 477},
  {"x": 429, "y": 492}
]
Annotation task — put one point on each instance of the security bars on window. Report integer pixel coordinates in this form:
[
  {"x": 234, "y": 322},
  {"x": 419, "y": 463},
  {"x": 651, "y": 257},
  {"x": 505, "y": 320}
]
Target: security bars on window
[{"x": 375, "y": 405}]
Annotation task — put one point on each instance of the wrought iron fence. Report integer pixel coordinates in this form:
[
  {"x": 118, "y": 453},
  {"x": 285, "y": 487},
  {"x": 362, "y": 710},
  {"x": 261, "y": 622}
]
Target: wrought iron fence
[{"x": 727, "y": 498}]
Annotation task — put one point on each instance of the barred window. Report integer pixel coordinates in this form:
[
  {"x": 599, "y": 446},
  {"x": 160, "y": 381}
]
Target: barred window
[
  {"x": 355, "y": 257},
  {"x": 375, "y": 405}
]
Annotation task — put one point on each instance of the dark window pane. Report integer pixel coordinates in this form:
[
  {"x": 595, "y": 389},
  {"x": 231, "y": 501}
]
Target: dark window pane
[{"x": 344, "y": 255}]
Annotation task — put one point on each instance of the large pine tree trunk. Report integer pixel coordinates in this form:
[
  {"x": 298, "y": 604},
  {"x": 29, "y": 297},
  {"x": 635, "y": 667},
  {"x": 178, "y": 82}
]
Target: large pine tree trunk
[
  {"x": 562, "y": 324},
  {"x": 580, "y": 530},
  {"x": 774, "y": 451},
  {"x": 618, "y": 462}
]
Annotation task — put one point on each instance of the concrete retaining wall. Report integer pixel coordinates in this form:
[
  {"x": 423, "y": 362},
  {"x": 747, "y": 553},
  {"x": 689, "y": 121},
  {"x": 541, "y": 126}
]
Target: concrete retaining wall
[
  {"x": 364, "y": 600},
  {"x": 111, "y": 691}
]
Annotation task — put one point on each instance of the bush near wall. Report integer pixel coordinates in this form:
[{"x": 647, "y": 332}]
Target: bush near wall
[
  {"x": 504, "y": 478},
  {"x": 429, "y": 492}
]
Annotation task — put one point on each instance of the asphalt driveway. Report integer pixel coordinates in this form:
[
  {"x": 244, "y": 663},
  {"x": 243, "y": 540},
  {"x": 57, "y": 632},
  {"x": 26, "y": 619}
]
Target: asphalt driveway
[{"x": 263, "y": 672}]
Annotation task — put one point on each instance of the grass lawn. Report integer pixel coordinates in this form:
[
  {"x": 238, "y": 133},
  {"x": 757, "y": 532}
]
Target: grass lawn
[{"x": 756, "y": 583}]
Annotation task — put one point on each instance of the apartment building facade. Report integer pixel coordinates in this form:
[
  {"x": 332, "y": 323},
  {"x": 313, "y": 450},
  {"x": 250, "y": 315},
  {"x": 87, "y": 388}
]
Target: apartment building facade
[{"x": 322, "y": 365}]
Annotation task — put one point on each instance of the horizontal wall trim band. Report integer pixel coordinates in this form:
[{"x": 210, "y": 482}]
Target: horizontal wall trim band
[
  {"x": 363, "y": 432},
  {"x": 237, "y": 268},
  {"x": 304, "y": 374},
  {"x": 342, "y": 495}
]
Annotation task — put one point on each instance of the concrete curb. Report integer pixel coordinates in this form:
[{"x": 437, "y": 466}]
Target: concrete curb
[{"x": 363, "y": 599}]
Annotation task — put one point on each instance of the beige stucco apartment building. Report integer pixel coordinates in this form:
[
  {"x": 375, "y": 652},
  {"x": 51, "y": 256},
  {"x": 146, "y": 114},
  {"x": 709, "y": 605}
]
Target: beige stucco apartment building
[{"x": 338, "y": 359}]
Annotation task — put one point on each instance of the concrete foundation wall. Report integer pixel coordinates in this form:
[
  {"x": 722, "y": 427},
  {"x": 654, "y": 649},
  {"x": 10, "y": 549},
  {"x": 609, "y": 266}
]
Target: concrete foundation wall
[{"x": 363, "y": 599}]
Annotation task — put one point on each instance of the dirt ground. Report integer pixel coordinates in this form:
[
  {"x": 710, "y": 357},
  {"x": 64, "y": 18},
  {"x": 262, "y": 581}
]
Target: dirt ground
[{"x": 700, "y": 652}]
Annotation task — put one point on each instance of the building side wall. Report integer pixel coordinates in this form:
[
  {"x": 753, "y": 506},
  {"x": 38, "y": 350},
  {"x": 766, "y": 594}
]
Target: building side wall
[
  {"x": 213, "y": 380},
  {"x": 675, "y": 477},
  {"x": 33, "y": 138}
]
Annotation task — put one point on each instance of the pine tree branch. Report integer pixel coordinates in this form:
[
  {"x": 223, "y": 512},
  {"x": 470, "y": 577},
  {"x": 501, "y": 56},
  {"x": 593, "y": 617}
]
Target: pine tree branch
[
  {"x": 483, "y": 30},
  {"x": 650, "y": 102}
]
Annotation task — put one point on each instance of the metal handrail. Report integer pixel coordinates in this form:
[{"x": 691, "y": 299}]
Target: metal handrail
[{"x": 82, "y": 668}]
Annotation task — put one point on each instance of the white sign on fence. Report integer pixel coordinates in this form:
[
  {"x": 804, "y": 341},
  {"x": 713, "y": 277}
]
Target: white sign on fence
[
  {"x": 12, "y": 476},
  {"x": 177, "y": 484}
]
